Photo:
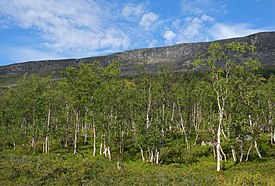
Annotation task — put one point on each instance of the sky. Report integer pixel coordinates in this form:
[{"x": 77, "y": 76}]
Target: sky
[{"x": 55, "y": 29}]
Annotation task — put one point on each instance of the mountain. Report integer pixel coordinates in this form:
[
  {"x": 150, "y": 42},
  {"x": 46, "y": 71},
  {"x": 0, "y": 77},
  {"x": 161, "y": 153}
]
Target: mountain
[{"x": 181, "y": 56}]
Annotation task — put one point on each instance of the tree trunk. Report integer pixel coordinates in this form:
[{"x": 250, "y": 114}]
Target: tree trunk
[
  {"x": 121, "y": 141},
  {"x": 101, "y": 145},
  {"x": 142, "y": 153},
  {"x": 218, "y": 146},
  {"x": 270, "y": 122},
  {"x": 221, "y": 113},
  {"x": 76, "y": 131},
  {"x": 248, "y": 152},
  {"x": 234, "y": 154},
  {"x": 184, "y": 132},
  {"x": 33, "y": 143},
  {"x": 94, "y": 139},
  {"x": 109, "y": 153},
  {"x": 47, "y": 140},
  {"x": 256, "y": 147},
  {"x": 67, "y": 125},
  {"x": 47, "y": 147},
  {"x": 66, "y": 138},
  {"x": 148, "y": 108},
  {"x": 272, "y": 135},
  {"x": 85, "y": 132},
  {"x": 214, "y": 151},
  {"x": 196, "y": 114},
  {"x": 151, "y": 155},
  {"x": 157, "y": 156},
  {"x": 224, "y": 155},
  {"x": 172, "y": 116},
  {"x": 241, "y": 150}
]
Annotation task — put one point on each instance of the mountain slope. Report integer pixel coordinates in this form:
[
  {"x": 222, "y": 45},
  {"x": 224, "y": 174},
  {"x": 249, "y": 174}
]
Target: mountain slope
[{"x": 180, "y": 56}]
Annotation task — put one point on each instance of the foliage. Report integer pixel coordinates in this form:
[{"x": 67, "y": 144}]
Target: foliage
[
  {"x": 95, "y": 118},
  {"x": 25, "y": 168}
]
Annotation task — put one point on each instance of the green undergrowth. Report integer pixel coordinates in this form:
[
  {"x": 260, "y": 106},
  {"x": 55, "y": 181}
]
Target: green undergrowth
[{"x": 61, "y": 167}]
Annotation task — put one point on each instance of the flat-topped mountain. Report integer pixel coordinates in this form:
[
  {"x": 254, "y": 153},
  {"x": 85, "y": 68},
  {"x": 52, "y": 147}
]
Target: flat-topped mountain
[{"x": 180, "y": 55}]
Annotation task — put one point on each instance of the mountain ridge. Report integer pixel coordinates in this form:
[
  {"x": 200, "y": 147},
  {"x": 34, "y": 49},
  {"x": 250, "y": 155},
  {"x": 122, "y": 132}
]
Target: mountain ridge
[{"x": 180, "y": 55}]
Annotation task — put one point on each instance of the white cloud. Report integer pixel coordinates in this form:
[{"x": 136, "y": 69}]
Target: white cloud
[
  {"x": 133, "y": 10},
  {"x": 198, "y": 15},
  {"x": 224, "y": 31},
  {"x": 148, "y": 19},
  {"x": 196, "y": 7},
  {"x": 192, "y": 29},
  {"x": 168, "y": 35},
  {"x": 207, "y": 18},
  {"x": 68, "y": 25}
]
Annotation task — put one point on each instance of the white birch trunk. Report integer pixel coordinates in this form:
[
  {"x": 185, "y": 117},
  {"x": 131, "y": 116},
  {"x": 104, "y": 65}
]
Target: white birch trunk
[
  {"x": 94, "y": 139},
  {"x": 218, "y": 146},
  {"x": 248, "y": 152},
  {"x": 270, "y": 123},
  {"x": 100, "y": 147},
  {"x": 184, "y": 131},
  {"x": 76, "y": 132},
  {"x": 67, "y": 125},
  {"x": 85, "y": 132},
  {"x": 47, "y": 140},
  {"x": 121, "y": 143},
  {"x": 172, "y": 116},
  {"x": 241, "y": 151},
  {"x": 272, "y": 136},
  {"x": 152, "y": 156},
  {"x": 148, "y": 108},
  {"x": 105, "y": 151},
  {"x": 142, "y": 154},
  {"x": 256, "y": 147},
  {"x": 214, "y": 151},
  {"x": 233, "y": 154},
  {"x": 157, "y": 156},
  {"x": 109, "y": 153},
  {"x": 224, "y": 155},
  {"x": 33, "y": 143},
  {"x": 47, "y": 147}
]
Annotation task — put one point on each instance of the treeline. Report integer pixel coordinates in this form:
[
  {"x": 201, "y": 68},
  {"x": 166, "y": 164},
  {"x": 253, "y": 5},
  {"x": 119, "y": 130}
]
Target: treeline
[{"x": 229, "y": 108}]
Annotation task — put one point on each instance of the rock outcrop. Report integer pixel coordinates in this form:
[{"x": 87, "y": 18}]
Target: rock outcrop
[{"x": 180, "y": 56}]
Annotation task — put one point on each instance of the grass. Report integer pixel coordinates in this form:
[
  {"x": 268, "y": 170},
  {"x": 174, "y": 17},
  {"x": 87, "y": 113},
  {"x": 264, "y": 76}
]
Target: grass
[{"x": 19, "y": 167}]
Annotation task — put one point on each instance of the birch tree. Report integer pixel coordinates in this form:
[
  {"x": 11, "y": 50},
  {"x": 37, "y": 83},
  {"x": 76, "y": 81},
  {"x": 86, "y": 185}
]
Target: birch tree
[{"x": 221, "y": 61}]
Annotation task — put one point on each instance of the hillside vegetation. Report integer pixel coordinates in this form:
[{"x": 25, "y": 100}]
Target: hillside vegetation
[{"x": 95, "y": 128}]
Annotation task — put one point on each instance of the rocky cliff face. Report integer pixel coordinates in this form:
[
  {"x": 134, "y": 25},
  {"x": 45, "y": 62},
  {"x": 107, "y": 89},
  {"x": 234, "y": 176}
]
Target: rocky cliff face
[{"x": 180, "y": 56}]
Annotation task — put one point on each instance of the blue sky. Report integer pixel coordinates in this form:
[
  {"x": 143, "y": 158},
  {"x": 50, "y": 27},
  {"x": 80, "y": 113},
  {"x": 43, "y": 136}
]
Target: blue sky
[{"x": 53, "y": 29}]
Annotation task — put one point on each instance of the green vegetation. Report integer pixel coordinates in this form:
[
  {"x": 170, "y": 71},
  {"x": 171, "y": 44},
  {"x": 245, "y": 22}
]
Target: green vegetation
[
  {"x": 27, "y": 168},
  {"x": 165, "y": 128}
]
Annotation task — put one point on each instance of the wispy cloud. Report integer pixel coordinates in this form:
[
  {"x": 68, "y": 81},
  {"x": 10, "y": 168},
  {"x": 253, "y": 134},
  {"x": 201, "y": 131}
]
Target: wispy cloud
[
  {"x": 68, "y": 25},
  {"x": 200, "y": 22},
  {"x": 168, "y": 35},
  {"x": 224, "y": 31},
  {"x": 130, "y": 10},
  {"x": 148, "y": 20}
]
